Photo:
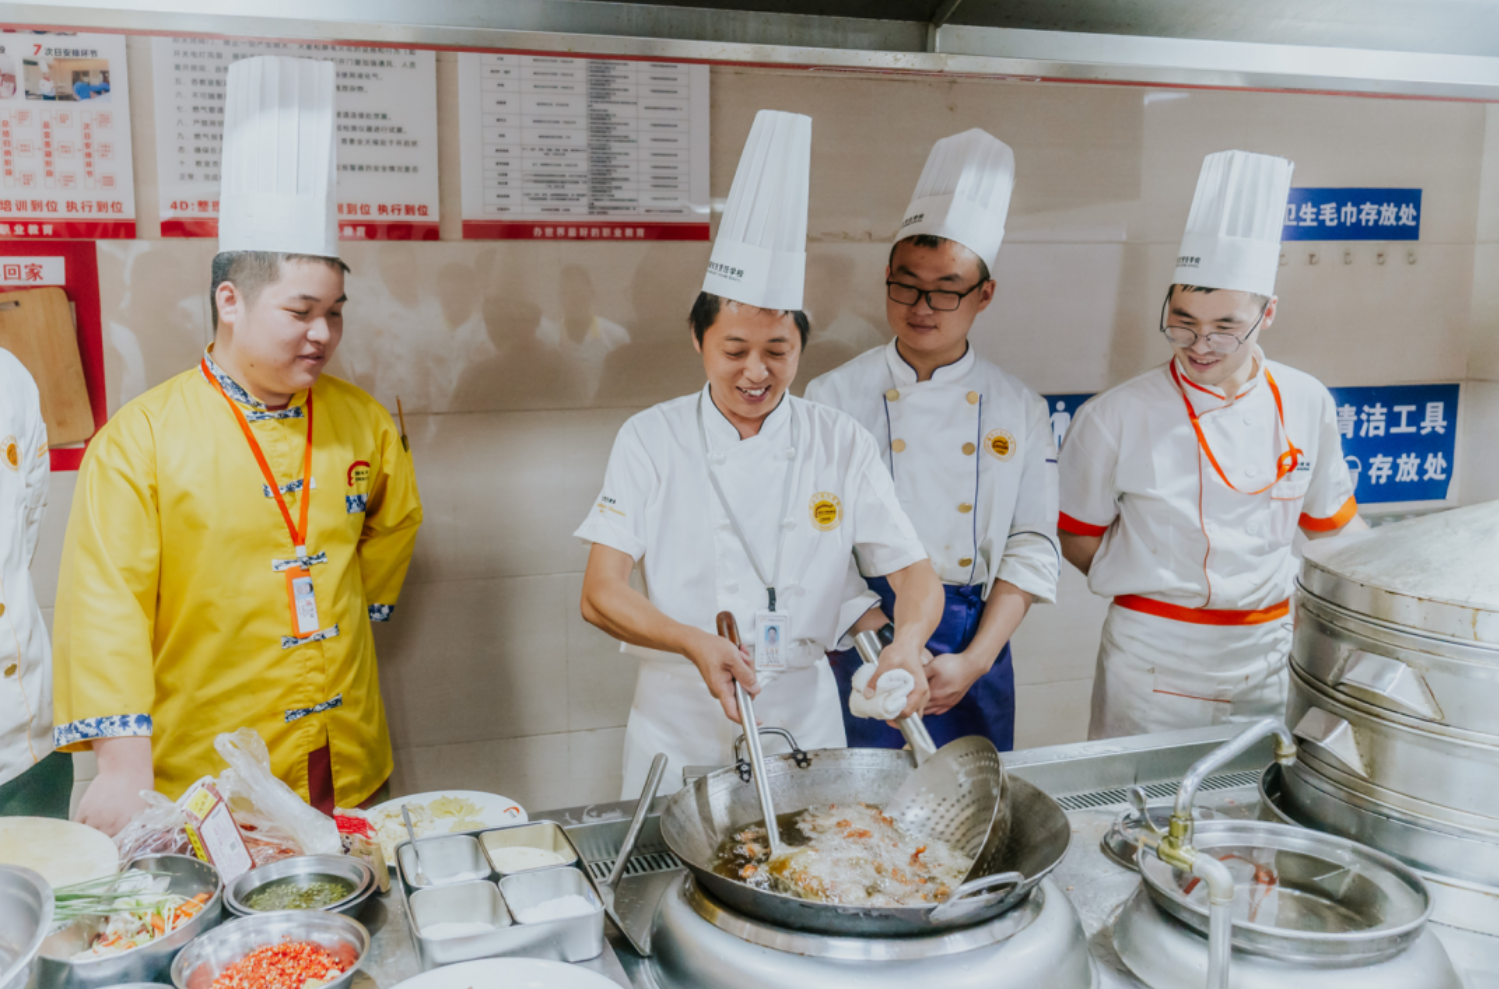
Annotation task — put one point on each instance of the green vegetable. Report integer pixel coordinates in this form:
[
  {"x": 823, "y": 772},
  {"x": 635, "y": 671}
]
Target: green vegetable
[
  {"x": 132, "y": 890},
  {"x": 296, "y": 893}
]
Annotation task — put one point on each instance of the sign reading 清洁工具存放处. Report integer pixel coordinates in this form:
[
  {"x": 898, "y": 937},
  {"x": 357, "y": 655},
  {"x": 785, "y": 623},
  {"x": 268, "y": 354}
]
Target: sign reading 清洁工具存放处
[
  {"x": 1353, "y": 214},
  {"x": 1400, "y": 441}
]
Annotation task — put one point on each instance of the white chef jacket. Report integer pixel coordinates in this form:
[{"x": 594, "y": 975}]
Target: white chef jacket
[
  {"x": 972, "y": 454},
  {"x": 25, "y": 652},
  {"x": 1132, "y": 471},
  {"x": 658, "y": 505}
]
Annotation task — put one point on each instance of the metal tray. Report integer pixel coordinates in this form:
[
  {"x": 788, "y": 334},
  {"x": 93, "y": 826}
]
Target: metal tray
[{"x": 570, "y": 939}]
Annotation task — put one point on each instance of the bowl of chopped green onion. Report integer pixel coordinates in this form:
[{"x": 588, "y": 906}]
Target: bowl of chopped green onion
[
  {"x": 130, "y": 926},
  {"x": 330, "y": 883}
]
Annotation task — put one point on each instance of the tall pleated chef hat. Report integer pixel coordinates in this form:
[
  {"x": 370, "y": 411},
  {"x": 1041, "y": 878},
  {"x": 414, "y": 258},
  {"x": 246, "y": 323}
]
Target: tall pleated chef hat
[
  {"x": 1233, "y": 232},
  {"x": 760, "y": 255},
  {"x": 964, "y": 193},
  {"x": 278, "y": 170}
]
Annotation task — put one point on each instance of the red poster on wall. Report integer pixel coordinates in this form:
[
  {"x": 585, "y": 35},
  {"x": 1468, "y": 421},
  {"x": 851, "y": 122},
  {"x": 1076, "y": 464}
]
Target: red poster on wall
[{"x": 73, "y": 266}]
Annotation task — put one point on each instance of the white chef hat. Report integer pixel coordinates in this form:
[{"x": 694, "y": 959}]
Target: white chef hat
[
  {"x": 276, "y": 186},
  {"x": 1233, "y": 232},
  {"x": 964, "y": 193},
  {"x": 760, "y": 255}
]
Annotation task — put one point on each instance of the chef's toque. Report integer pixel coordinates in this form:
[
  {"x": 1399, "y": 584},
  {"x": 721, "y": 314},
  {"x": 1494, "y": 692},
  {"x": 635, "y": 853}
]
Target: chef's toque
[
  {"x": 760, "y": 256},
  {"x": 276, "y": 187},
  {"x": 1233, "y": 232},
  {"x": 964, "y": 193}
]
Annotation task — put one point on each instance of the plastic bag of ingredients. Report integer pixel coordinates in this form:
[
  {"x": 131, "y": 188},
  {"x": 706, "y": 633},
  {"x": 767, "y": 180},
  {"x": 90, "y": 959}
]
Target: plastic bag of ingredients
[
  {"x": 158, "y": 828},
  {"x": 275, "y": 822}
]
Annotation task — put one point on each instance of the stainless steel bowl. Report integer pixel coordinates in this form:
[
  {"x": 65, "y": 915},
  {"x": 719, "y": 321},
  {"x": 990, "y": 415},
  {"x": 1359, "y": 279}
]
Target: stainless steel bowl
[
  {"x": 341, "y": 867},
  {"x": 1314, "y": 899},
  {"x": 25, "y": 916},
  {"x": 205, "y": 959},
  {"x": 149, "y": 963}
]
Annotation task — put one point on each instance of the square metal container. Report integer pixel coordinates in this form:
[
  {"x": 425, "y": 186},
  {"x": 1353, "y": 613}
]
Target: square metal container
[
  {"x": 570, "y": 939},
  {"x": 459, "y": 903},
  {"x": 450, "y": 859},
  {"x": 544, "y": 835}
]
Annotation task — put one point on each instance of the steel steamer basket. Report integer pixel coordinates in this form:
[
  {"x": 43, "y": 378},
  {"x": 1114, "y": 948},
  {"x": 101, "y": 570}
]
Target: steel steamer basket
[{"x": 1394, "y": 701}]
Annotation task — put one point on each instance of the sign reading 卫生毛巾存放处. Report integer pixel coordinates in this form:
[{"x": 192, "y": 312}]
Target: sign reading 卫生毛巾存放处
[
  {"x": 1400, "y": 441},
  {"x": 1353, "y": 214}
]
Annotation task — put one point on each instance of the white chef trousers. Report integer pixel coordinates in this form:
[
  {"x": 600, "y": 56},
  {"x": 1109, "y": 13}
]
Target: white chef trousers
[
  {"x": 675, "y": 713},
  {"x": 1159, "y": 674}
]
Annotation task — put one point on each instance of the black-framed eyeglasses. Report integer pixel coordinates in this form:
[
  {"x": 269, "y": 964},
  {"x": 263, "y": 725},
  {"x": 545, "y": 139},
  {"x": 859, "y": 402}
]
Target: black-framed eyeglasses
[
  {"x": 1218, "y": 341},
  {"x": 942, "y": 300}
]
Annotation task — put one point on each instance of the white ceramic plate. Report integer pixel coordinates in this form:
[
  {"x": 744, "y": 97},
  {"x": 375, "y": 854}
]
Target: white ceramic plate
[
  {"x": 494, "y": 811},
  {"x": 62, "y": 851},
  {"x": 509, "y": 973}
]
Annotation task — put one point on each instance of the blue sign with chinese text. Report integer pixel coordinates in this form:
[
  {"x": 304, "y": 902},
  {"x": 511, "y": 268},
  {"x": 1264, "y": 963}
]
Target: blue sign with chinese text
[
  {"x": 1400, "y": 441},
  {"x": 1353, "y": 214}
]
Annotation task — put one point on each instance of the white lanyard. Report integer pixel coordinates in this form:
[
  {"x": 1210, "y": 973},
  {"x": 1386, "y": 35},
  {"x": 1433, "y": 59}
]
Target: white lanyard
[{"x": 723, "y": 501}]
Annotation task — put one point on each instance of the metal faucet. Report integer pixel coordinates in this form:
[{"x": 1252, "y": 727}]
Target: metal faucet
[{"x": 1179, "y": 837}]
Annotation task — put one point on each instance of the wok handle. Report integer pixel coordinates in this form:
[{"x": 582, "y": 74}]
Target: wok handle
[
  {"x": 977, "y": 894},
  {"x": 729, "y": 629},
  {"x": 913, "y": 728}
]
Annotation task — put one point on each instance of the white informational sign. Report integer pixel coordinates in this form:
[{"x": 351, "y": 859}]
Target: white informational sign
[
  {"x": 386, "y": 102},
  {"x": 65, "y": 137},
  {"x": 570, "y": 148},
  {"x": 33, "y": 271}
]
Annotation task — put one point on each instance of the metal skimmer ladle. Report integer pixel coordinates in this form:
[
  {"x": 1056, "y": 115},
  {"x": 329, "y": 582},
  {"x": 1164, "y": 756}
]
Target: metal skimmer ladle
[
  {"x": 421, "y": 873},
  {"x": 955, "y": 793},
  {"x": 729, "y": 629}
]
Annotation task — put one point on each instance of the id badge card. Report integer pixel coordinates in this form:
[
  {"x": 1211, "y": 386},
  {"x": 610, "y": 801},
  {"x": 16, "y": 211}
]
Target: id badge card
[
  {"x": 303, "y": 602},
  {"x": 771, "y": 640}
]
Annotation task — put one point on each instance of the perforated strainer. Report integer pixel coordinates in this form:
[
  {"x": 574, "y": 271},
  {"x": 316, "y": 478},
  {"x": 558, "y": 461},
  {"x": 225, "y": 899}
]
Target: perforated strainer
[{"x": 955, "y": 793}]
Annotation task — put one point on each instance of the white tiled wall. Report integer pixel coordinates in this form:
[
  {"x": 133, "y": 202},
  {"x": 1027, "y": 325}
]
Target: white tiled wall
[{"x": 492, "y": 679}]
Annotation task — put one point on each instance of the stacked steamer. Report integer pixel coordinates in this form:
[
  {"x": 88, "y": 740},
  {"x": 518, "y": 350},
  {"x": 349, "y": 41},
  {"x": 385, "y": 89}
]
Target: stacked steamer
[{"x": 1395, "y": 701}]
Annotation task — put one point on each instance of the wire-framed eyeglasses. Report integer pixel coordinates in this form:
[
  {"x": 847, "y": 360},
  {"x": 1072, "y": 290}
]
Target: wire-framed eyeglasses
[{"x": 1219, "y": 342}]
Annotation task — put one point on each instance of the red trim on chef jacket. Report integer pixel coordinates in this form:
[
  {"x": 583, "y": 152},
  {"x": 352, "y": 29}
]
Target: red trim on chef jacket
[
  {"x": 1344, "y": 514},
  {"x": 1077, "y": 527}
]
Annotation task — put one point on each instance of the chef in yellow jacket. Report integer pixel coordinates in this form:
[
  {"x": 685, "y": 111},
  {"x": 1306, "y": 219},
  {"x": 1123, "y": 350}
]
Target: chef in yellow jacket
[{"x": 235, "y": 530}]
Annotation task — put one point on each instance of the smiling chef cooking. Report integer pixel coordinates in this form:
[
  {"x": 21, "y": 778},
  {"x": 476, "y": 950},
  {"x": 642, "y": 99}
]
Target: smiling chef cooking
[
  {"x": 1181, "y": 490},
  {"x": 744, "y": 498},
  {"x": 235, "y": 530}
]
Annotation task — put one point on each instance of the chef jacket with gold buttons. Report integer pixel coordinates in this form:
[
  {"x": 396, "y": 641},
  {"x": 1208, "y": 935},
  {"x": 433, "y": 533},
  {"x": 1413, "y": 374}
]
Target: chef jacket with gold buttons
[
  {"x": 25, "y": 656},
  {"x": 973, "y": 459},
  {"x": 173, "y": 617}
]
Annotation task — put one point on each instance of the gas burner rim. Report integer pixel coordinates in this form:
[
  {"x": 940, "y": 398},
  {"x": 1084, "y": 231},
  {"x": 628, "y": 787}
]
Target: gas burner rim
[{"x": 949, "y": 941}]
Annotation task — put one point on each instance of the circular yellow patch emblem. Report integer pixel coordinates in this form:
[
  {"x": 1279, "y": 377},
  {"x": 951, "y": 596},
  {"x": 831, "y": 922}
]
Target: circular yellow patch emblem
[
  {"x": 1000, "y": 444},
  {"x": 827, "y": 511},
  {"x": 12, "y": 453}
]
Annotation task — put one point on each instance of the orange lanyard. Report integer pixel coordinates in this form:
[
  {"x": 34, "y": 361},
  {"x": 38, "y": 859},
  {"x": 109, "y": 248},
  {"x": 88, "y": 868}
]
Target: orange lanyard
[
  {"x": 298, "y": 532},
  {"x": 1284, "y": 464}
]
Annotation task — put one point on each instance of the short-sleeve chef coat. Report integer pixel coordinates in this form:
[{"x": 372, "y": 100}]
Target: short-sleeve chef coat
[
  {"x": 172, "y": 619},
  {"x": 1132, "y": 472},
  {"x": 659, "y": 506},
  {"x": 973, "y": 460},
  {"x": 25, "y": 655}
]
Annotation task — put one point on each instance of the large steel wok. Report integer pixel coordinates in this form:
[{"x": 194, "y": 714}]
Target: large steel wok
[{"x": 699, "y": 817}]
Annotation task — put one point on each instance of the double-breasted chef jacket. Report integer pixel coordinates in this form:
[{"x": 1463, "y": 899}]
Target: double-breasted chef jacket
[
  {"x": 974, "y": 464},
  {"x": 659, "y": 506},
  {"x": 1199, "y": 572},
  {"x": 25, "y": 654}
]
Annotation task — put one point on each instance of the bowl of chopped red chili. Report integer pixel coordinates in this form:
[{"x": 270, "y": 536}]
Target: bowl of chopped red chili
[{"x": 292, "y": 949}]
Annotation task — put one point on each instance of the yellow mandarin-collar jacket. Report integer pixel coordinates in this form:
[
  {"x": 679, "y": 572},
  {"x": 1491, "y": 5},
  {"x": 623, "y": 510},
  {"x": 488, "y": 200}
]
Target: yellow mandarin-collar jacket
[{"x": 172, "y": 618}]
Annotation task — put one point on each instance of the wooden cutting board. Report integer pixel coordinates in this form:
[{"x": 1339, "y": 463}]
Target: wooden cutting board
[{"x": 36, "y": 324}]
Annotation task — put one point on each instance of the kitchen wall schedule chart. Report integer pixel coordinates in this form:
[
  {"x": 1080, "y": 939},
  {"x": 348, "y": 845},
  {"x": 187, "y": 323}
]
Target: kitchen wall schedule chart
[
  {"x": 385, "y": 103},
  {"x": 563, "y": 148}
]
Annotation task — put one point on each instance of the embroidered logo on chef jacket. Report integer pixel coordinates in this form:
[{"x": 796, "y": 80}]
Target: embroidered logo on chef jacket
[
  {"x": 826, "y": 510},
  {"x": 1000, "y": 443},
  {"x": 10, "y": 452},
  {"x": 359, "y": 478}
]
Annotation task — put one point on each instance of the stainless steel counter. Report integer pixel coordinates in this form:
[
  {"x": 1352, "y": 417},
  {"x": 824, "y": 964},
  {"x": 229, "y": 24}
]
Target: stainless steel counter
[{"x": 1089, "y": 779}]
